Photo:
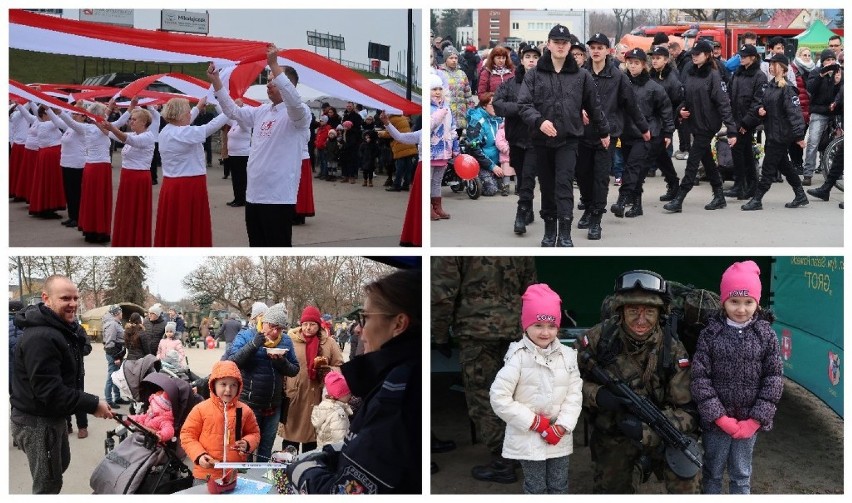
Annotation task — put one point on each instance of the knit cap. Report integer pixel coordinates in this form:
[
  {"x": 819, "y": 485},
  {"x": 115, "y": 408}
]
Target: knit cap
[
  {"x": 435, "y": 81},
  {"x": 276, "y": 315},
  {"x": 660, "y": 38},
  {"x": 156, "y": 309},
  {"x": 162, "y": 399},
  {"x": 114, "y": 309},
  {"x": 742, "y": 279},
  {"x": 171, "y": 326},
  {"x": 311, "y": 313},
  {"x": 336, "y": 385},
  {"x": 450, "y": 51},
  {"x": 540, "y": 304},
  {"x": 257, "y": 309},
  {"x": 347, "y": 124},
  {"x": 323, "y": 119}
]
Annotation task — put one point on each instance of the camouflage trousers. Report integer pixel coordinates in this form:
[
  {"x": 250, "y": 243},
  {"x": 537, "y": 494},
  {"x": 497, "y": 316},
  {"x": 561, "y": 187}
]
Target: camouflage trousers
[
  {"x": 45, "y": 442},
  {"x": 490, "y": 185},
  {"x": 616, "y": 470},
  {"x": 480, "y": 361}
]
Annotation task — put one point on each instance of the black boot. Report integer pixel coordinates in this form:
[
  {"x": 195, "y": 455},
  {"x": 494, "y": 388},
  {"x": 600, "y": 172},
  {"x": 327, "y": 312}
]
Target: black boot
[
  {"x": 636, "y": 209},
  {"x": 549, "y": 239},
  {"x": 530, "y": 217},
  {"x": 823, "y": 191},
  {"x": 500, "y": 470},
  {"x": 439, "y": 445},
  {"x": 756, "y": 202},
  {"x": 521, "y": 219},
  {"x": 718, "y": 200},
  {"x": 584, "y": 221},
  {"x": 671, "y": 192},
  {"x": 800, "y": 200},
  {"x": 617, "y": 209},
  {"x": 676, "y": 204},
  {"x": 737, "y": 189},
  {"x": 564, "y": 239},
  {"x": 749, "y": 190},
  {"x": 595, "y": 225}
]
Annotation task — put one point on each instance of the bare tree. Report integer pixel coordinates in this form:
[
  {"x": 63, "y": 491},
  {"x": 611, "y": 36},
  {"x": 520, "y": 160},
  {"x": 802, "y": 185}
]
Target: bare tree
[{"x": 733, "y": 15}]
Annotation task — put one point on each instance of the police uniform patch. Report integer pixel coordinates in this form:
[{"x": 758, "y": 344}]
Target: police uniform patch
[
  {"x": 796, "y": 101},
  {"x": 683, "y": 363},
  {"x": 724, "y": 87},
  {"x": 354, "y": 481}
]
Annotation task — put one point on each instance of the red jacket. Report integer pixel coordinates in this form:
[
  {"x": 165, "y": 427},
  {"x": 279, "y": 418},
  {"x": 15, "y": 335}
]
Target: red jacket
[
  {"x": 204, "y": 428},
  {"x": 804, "y": 97},
  {"x": 322, "y": 136}
]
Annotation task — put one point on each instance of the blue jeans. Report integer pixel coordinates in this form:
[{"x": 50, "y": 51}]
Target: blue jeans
[
  {"x": 268, "y": 431},
  {"x": 617, "y": 163},
  {"x": 322, "y": 162},
  {"x": 111, "y": 392},
  {"x": 815, "y": 128},
  {"x": 404, "y": 171},
  {"x": 720, "y": 451}
]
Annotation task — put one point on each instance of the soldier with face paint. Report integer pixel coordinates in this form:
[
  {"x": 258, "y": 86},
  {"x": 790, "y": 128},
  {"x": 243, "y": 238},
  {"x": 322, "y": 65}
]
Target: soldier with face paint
[{"x": 632, "y": 346}]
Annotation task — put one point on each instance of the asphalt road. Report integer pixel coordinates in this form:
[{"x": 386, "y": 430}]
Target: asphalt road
[
  {"x": 488, "y": 221},
  {"x": 347, "y": 215}
]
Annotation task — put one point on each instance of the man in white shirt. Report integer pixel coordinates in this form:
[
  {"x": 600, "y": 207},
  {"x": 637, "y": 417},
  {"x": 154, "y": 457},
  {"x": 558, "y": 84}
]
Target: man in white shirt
[{"x": 280, "y": 130}]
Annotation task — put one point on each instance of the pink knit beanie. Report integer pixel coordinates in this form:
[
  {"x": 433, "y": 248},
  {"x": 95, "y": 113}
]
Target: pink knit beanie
[
  {"x": 742, "y": 279},
  {"x": 336, "y": 385},
  {"x": 540, "y": 304}
]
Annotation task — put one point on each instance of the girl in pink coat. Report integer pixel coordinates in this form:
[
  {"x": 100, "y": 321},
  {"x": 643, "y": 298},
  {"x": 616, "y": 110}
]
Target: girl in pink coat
[{"x": 168, "y": 342}]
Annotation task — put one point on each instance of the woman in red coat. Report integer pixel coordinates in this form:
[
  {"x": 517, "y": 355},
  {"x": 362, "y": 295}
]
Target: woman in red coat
[{"x": 498, "y": 68}]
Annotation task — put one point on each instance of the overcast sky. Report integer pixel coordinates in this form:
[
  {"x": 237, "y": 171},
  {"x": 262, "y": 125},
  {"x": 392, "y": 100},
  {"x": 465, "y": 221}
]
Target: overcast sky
[
  {"x": 166, "y": 273},
  {"x": 288, "y": 28}
]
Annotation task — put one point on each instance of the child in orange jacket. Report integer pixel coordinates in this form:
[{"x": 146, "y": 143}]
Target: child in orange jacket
[{"x": 209, "y": 433}]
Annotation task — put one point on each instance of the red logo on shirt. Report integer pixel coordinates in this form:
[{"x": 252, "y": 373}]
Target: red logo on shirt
[{"x": 266, "y": 128}]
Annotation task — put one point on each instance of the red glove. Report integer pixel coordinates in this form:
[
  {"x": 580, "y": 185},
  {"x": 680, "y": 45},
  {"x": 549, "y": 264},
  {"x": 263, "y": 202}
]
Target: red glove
[
  {"x": 540, "y": 424},
  {"x": 552, "y": 435},
  {"x": 728, "y": 424},
  {"x": 747, "y": 428}
]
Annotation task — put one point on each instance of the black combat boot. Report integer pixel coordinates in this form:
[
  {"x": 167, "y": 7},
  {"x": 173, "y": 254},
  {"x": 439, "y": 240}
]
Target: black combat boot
[
  {"x": 585, "y": 220},
  {"x": 718, "y": 200},
  {"x": 549, "y": 239},
  {"x": 737, "y": 189},
  {"x": 530, "y": 217},
  {"x": 671, "y": 192},
  {"x": 636, "y": 209},
  {"x": 564, "y": 239},
  {"x": 595, "y": 225},
  {"x": 521, "y": 219},
  {"x": 617, "y": 209},
  {"x": 756, "y": 202},
  {"x": 500, "y": 470},
  {"x": 823, "y": 191},
  {"x": 676, "y": 204},
  {"x": 800, "y": 200}
]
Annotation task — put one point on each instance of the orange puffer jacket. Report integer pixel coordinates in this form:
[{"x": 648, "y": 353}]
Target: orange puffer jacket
[{"x": 211, "y": 425}]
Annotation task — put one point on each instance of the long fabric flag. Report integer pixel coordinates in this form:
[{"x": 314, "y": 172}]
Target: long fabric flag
[
  {"x": 30, "y": 94},
  {"x": 38, "y": 32}
]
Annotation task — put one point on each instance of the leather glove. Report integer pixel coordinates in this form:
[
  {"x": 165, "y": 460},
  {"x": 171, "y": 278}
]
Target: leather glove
[
  {"x": 258, "y": 341},
  {"x": 728, "y": 424},
  {"x": 444, "y": 349},
  {"x": 551, "y": 435},
  {"x": 606, "y": 399},
  {"x": 747, "y": 428},
  {"x": 632, "y": 427},
  {"x": 304, "y": 462},
  {"x": 540, "y": 424}
]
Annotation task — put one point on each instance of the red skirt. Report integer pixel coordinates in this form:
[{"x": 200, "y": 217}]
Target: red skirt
[
  {"x": 96, "y": 199},
  {"x": 183, "y": 212},
  {"x": 47, "y": 192},
  {"x": 16, "y": 159},
  {"x": 25, "y": 173},
  {"x": 132, "y": 225},
  {"x": 412, "y": 232},
  {"x": 305, "y": 198}
]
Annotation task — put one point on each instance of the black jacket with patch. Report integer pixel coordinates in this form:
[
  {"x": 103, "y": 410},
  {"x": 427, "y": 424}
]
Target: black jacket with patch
[
  {"x": 668, "y": 78},
  {"x": 655, "y": 106},
  {"x": 747, "y": 87},
  {"x": 783, "y": 121},
  {"x": 705, "y": 97},
  {"x": 617, "y": 99}
]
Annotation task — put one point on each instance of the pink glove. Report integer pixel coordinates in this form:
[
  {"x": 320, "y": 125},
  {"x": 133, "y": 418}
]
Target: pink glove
[
  {"x": 551, "y": 435},
  {"x": 747, "y": 428},
  {"x": 540, "y": 424},
  {"x": 729, "y": 425}
]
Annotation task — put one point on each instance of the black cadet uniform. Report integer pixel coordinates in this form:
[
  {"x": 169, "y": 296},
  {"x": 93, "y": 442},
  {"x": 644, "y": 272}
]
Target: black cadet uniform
[
  {"x": 747, "y": 85},
  {"x": 668, "y": 78}
]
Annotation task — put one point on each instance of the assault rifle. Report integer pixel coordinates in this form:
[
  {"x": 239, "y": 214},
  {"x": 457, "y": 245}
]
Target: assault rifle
[{"x": 682, "y": 451}]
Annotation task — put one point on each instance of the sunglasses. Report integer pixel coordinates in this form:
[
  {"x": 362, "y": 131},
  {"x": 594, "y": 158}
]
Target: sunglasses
[{"x": 646, "y": 280}]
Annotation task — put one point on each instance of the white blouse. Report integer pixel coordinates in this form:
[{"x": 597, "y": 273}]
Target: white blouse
[
  {"x": 182, "y": 149},
  {"x": 239, "y": 140}
]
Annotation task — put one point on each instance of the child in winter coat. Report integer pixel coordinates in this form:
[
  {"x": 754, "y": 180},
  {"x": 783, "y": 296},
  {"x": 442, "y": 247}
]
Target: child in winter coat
[
  {"x": 331, "y": 416},
  {"x": 159, "y": 418},
  {"x": 332, "y": 153},
  {"x": 444, "y": 143},
  {"x": 736, "y": 379},
  {"x": 169, "y": 342},
  {"x": 367, "y": 152},
  {"x": 209, "y": 434},
  {"x": 539, "y": 394},
  {"x": 503, "y": 147}
]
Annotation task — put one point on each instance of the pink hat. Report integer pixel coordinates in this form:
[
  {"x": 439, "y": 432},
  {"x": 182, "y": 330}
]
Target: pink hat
[
  {"x": 540, "y": 304},
  {"x": 742, "y": 279},
  {"x": 336, "y": 384},
  {"x": 347, "y": 124}
]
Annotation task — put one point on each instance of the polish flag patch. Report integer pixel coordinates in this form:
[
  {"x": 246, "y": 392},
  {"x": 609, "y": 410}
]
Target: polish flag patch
[{"x": 683, "y": 363}]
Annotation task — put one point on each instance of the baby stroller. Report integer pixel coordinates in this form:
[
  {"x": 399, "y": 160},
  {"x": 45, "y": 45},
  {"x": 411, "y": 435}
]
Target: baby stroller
[{"x": 140, "y": 463}]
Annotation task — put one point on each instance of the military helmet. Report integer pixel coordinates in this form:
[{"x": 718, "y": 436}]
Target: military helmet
[{"x": 641, "y": 287}]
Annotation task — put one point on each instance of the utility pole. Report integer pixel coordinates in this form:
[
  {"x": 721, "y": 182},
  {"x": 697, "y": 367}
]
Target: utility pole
[{"x": 410, "y": 69}]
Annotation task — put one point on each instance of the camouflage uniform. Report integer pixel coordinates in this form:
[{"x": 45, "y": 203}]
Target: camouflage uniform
[
  {"x": 614, "y": 455},
  {"x": 479, "y": 299}
]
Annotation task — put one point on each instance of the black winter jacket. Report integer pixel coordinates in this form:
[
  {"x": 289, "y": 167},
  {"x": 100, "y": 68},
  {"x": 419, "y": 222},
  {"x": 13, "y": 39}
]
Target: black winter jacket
[
  {"x": 49, "y": 366},
  {"x": 668, "y": 78},
  {"x": 655, "y": 107},
  {"x": 706, "y": 99},
  {"x": 747, "y": 87},
  {"x": 823, "y": 90},
  {"x": 506, "y": 105},
  {"x": 783, "y": 122},
  {"x": 617, "y": 99},
  {"x": 560, "y": 98},
  {"x": 154, "y": 332}
]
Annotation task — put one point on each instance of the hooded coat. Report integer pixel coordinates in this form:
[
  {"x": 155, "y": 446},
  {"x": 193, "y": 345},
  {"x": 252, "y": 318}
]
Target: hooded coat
[
  {"x": 211, "y": 426},
  {"x": 263, "y": 377}
]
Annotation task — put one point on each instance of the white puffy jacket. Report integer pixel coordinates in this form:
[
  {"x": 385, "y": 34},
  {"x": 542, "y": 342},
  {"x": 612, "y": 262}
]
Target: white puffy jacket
[
  {"x": 331, "y": 420},
  {"x": 537, "y": 381}
]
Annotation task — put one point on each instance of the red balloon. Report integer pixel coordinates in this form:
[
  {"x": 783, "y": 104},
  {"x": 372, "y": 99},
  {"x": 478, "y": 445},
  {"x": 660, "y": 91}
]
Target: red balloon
[{"x": 466, "y": 166}]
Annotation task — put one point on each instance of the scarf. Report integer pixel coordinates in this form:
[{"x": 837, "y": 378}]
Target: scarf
[
  {"x": 806, "y": 66},
  {"x": 500, "y": 70},
  {"x": 311, "y": 350},
  {"x": 273, "y": 343}
]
